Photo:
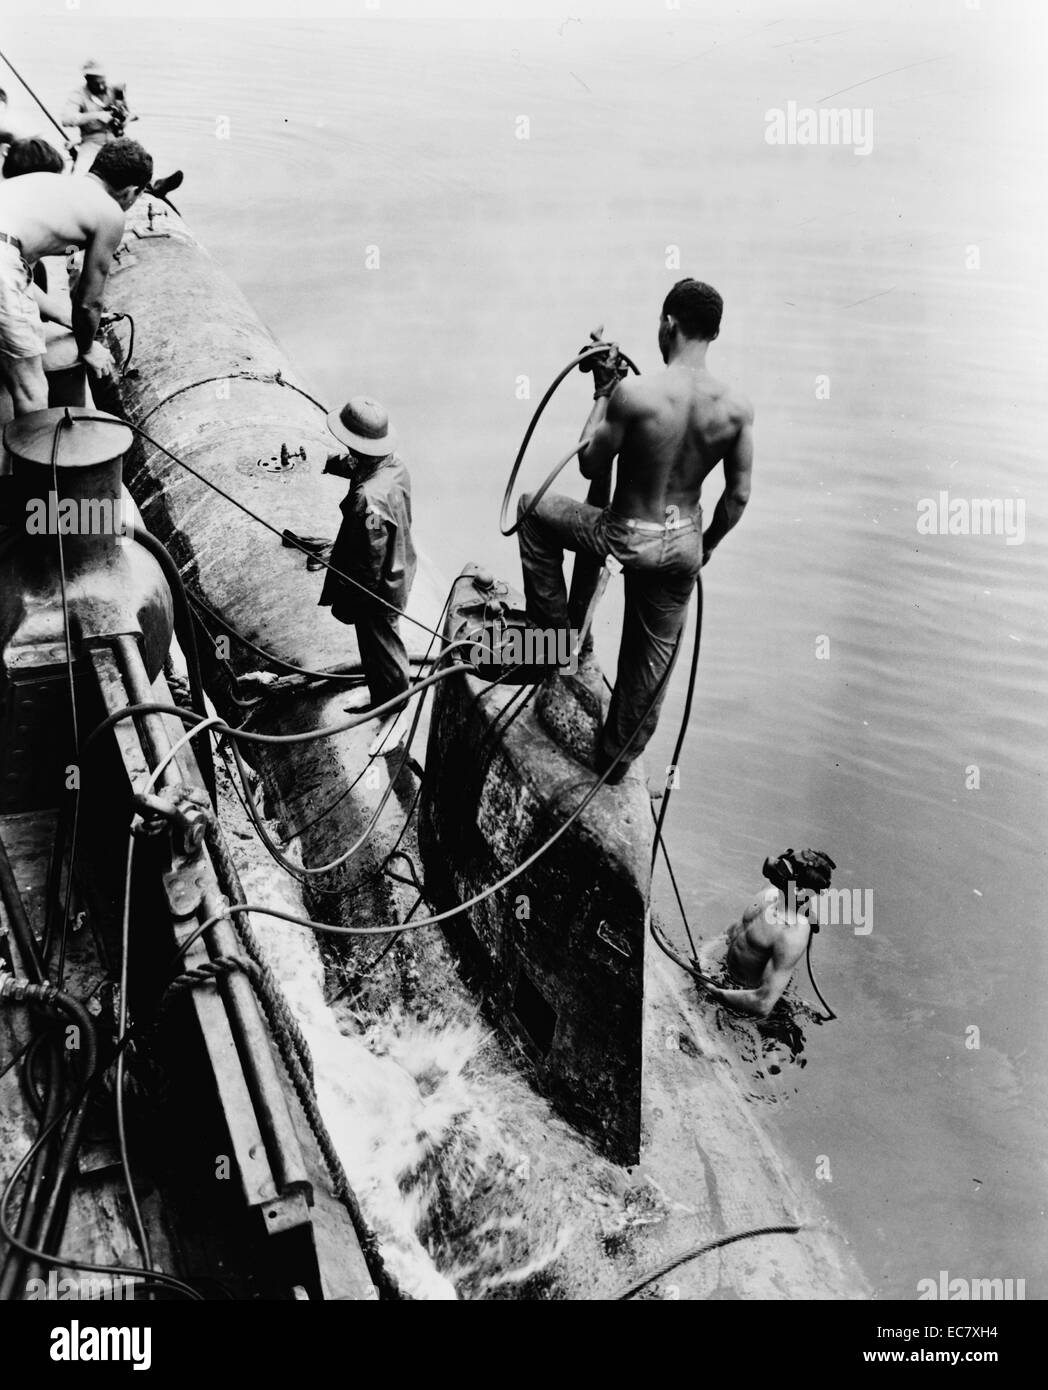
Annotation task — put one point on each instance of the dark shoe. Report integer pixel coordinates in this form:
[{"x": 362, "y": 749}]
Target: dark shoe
[
  {"x": 292, "y": 541},
  {"x": 160, "y": 188}
]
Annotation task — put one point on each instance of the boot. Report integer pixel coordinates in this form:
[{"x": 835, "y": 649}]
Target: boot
[{"x": 160, "y": 188}]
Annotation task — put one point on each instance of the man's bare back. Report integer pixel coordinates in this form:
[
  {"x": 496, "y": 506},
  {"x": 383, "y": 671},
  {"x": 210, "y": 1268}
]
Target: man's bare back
[
  {"x": 45, "y": 214},
  {"x": 669, "y": 431},
  {"x": 50, "y": 212},
  {"x": 677, "y": 426}
]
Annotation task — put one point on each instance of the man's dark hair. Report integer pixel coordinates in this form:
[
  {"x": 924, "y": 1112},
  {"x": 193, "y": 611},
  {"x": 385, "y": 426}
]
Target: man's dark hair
[
  {"x": 123, "y": 163},
  {"x": 696, "y": 307},
  {"x": 32, "y": 156}
]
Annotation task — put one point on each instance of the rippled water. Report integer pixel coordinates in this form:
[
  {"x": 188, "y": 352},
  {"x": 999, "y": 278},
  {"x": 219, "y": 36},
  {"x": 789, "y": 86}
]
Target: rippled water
[{"x": 496, "y": 257}]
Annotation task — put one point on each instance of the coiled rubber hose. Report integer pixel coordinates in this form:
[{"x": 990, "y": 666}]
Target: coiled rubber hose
[{"x": 536, "y": 497}]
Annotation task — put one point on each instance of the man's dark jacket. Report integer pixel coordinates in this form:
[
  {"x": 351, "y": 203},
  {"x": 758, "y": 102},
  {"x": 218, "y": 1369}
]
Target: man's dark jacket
[{"x": 373, "y": 546}]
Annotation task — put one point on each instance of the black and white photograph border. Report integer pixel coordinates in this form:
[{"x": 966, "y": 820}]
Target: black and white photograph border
[{"x": 522, "y": 656}]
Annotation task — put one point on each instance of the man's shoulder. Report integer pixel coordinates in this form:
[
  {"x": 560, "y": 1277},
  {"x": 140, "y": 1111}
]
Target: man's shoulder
[
  {"x": 398, "y": 465},
  {"x": 636, "y": 396},
  {"x": 79, "y": 96},
  {"x": 388, "y": 481},
  {"x": 742, "y": 406},
  {"x": 735, "y": 403},
  {"x": 372, "y": 503},
  {"x": 101, "y": 213}
]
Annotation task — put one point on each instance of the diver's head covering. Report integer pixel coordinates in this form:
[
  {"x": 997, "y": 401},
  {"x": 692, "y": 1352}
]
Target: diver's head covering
[
  {"x": 92, "y": 68},
  {"x": 806, "y": 869}
]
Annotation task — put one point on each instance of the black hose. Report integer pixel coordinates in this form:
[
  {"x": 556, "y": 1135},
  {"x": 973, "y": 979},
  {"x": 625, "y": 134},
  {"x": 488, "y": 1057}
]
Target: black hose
[
  {"x": 52, "y": 1223},
  {"x": 41, "y": 1172},
  {"x": 596, "y": 350},
  {"x": 65, "y": 138},
  {"x": 18, "y": 918},
  {"x": 17, "y": 1243},
  {"x": 811, "y": 976},
  {"x": 351, "y": 674},
  {"x": 633, "y": 1289},
  {"x": 185, "y": 630},
  {"x": 685, "y": 721},
  {"x": 45, "y": 1200}
]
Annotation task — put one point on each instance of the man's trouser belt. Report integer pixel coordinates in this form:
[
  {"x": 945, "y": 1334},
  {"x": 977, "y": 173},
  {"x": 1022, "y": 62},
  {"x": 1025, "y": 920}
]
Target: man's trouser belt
[
  {"x": 677, "y": 525},
  {"x": 12, "y": 241}
]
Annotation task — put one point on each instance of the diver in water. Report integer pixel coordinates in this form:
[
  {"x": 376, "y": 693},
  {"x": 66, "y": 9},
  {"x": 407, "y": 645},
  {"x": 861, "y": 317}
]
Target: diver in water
[{"x": 771, "y": 936}]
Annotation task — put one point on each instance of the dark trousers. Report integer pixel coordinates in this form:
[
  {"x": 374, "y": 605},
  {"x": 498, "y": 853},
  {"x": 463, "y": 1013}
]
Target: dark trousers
[
  {"x": 382, "y": 655},
  {"x": 660, "y": 571}
]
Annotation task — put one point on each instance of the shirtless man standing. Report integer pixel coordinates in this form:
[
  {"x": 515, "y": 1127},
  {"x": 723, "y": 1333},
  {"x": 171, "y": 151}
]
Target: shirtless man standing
[
  {"x": 669, "y": 431},
  {"x": 771, "y": 936},
  {"x": 43, "y": 215}
]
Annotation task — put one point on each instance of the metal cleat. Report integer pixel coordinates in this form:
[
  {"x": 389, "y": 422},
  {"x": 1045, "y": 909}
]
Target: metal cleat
[{"x": 184, "y": 809}]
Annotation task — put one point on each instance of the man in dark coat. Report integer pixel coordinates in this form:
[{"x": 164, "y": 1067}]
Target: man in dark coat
[{"x": 373, "y": 546}]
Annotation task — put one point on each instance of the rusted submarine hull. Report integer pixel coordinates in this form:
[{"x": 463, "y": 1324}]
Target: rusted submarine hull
[
  {"x": 558, "y": 954},
  {"x": 214, "y": 389}
]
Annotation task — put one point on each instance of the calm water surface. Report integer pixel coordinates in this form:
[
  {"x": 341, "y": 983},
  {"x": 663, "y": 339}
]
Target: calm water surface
[{"x": 497, "y": 255}]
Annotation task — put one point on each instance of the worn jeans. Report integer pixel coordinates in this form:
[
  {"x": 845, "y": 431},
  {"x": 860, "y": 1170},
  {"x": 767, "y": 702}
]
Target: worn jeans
[{"x": 660, "y": 568}]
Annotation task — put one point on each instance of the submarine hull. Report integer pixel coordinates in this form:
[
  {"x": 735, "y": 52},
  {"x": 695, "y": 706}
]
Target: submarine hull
[{"x": 212, "y": 387}]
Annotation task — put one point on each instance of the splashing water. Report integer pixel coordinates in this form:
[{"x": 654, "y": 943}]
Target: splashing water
[
  {"x": 418, "y": 1110},
  {"x": 763, "y": 1050}
]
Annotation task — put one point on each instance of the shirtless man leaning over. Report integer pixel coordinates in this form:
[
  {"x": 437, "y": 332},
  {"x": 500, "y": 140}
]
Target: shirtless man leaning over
[
  {"x": 44, "y": 214},
  {"x": 668, "y": 431},
  {"x": 772, "y": 935}
]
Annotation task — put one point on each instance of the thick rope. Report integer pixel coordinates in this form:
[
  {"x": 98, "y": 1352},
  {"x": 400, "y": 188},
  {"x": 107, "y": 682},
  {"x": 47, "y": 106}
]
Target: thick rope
[
  {"x": 268, "y": 378},
  {"x": 282, "y": 1021},
  {"x": 296, "y": 1056},
  {"x": 209, "y": 971}
]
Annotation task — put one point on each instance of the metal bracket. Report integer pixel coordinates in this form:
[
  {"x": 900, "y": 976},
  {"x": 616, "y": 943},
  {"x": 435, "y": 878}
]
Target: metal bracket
[
  {"x": 283, "y": 462},
  {"x": 607, "y": 933},
  {"x": 184, "y": 892},
  {"x": 123, "y": 259},
  {"x": 150, "y": 232},
  {"x": 183, "y": 809}
]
